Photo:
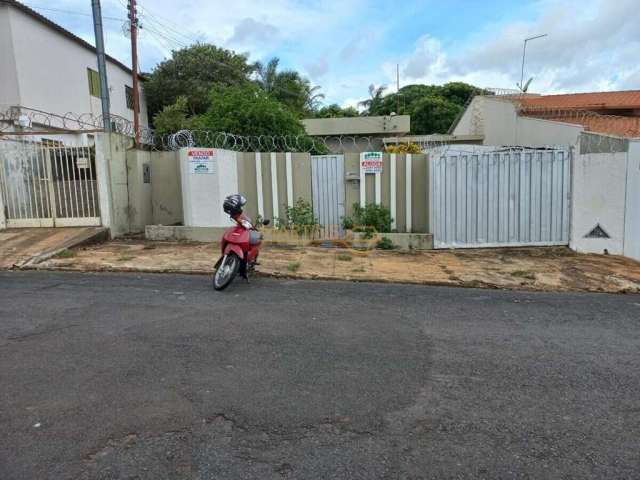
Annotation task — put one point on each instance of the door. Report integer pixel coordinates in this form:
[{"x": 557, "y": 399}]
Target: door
[
  {"x": 495, "y": 197},
  {"x": 327, "y": 184}
]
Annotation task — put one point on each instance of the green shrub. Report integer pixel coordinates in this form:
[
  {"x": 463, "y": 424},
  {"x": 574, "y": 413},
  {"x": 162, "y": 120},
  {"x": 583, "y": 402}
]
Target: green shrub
[
  {"x": 344, "y": 257},
  {"x": 385, "y": 243},
  {"x": 347, "y": 223},
  {"x": 372, "y": 215},
  {"x": 300, "y": 217}
]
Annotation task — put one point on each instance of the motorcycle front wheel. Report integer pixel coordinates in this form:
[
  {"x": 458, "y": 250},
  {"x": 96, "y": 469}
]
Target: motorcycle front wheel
[{"x": 226, "y": 272}]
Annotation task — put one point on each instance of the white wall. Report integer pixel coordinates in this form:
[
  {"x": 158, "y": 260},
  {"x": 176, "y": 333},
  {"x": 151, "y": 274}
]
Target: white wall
[
  {"x": 498, "y": 120},
  {"x": 203, "y": 193},
  {"x": 632, "y": 215},
  {"x": 599, "y": 187},
  {"x": 51, "y": 71},
  {"x": 9, "y": 93}
]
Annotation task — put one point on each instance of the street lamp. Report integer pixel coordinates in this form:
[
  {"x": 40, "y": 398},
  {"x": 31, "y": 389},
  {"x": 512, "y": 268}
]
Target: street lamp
[{"x": 522, "y": 87}]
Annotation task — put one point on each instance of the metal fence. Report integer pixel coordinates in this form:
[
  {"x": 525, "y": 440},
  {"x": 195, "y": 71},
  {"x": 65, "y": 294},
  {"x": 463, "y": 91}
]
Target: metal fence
[
  {"x": 489, "y": 197},
  {"x": 46, "y": 184}
]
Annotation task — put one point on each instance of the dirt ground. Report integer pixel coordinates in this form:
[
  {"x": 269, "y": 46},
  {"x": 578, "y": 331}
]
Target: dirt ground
[{"x": 546, "y": 269}]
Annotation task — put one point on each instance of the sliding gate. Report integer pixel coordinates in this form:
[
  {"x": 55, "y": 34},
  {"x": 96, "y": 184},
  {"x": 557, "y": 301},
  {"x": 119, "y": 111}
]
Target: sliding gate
[
  {"x": 47, "y": 184},
  {"x": 495, "y": 197}
]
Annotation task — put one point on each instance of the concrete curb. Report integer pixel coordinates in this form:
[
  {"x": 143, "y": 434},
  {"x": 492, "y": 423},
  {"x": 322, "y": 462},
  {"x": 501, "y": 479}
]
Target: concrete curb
[{"x": 282, "y": 275}]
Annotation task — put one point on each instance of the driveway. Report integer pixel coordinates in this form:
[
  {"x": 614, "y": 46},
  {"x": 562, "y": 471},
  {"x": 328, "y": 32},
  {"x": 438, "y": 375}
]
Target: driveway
[{"x": 122, "y": 376}]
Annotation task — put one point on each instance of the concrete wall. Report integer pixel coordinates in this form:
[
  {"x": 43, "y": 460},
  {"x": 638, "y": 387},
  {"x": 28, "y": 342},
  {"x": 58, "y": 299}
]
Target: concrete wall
[
  {"x": 497, "y": 119},
  {"x": 599, "y": 190},
  {"x": 51, "y": 70},
  {"x": 9, "y": 91},
  {"x": 166, "y": 191},
  {"x": 203, "y": 193},
  {"x": 358, "y": 125},
  {"x": 632, "y": 213},
  {"x": 111, "y": 169},
  {"x": 140, "y": 205}
]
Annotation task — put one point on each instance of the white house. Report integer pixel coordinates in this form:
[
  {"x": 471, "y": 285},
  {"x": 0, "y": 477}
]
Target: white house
[{"x": 46, "y": 68}]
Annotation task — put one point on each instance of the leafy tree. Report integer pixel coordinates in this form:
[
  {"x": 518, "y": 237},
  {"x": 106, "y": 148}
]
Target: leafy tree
[
  {"x": 433, "y": 115},
  {"x": 288, "y": 87},
  {"x": 334, "y": 110},
  {"x": 174, "y": 117},
  {"x": 376, "y": 97},
  {"x": 248, "y": 110},
  {"x": 460, "y": 92},
  {"x": 192, "y": 72}
]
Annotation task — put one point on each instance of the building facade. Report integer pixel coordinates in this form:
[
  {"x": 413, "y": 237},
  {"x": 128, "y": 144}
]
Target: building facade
[{"x": 45, "y": 68}]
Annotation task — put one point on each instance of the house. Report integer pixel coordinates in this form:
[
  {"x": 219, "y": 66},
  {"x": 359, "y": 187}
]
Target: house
[
  {"x": 539, "y": 120},
  {"x": 49, "y": 76},
  {"x": 356, "y": 134}
]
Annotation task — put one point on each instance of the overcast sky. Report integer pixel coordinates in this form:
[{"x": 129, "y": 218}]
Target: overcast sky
[{"x": 345, "y": 45}]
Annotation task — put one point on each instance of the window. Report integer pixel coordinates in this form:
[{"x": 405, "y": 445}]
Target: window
[
  {"x": 94, "y": 83},
  {"x": 128, "y": 93}
]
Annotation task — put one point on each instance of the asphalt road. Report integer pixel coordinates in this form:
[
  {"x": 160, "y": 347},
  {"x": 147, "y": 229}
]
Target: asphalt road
[{"x": 158, "y": 377}]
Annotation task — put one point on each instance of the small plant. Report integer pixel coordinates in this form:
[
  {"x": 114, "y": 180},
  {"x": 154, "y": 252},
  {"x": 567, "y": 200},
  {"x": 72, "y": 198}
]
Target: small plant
[
  {"x": 403, "y": 148},
  {"x": 293, "y": 267},
  {"x": 358, "y": 270},
  {"x": 385, "y": 243},
  {"x": 300, "y": 217},
  {"x": 66, "y": 253},
  {"x": 344, "y": 257},
  {"x": 372, "y": 215},
  {"x": 347, "y": 223},
  {"x": 125, "y": 258}
]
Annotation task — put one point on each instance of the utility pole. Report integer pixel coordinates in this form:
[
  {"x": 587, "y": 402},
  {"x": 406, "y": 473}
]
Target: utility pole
[
  {"x": 102, "y": 65},
  {"x": 133, "y": 23},
  {"x": 398, "y": 88}
]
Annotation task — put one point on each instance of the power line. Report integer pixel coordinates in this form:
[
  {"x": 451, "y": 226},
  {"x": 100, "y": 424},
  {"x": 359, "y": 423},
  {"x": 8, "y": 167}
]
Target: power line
[{"x": 69, "y": 12}]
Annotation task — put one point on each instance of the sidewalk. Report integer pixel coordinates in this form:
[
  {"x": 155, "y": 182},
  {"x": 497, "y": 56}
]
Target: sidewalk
[{"x": 547, "y": 269}]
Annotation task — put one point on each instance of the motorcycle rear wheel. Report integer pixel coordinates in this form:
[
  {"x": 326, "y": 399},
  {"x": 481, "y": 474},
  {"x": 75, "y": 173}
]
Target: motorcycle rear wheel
[{"x": 226, "y": 272}]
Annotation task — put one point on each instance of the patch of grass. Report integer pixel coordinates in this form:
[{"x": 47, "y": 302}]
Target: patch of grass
[
  {"x": 125, "y": 258},
  {"x": 294, "y": 266},
  {"x": 358, "y": 270},
  {"x": 524, "y": 274},
  {"x": 344, "y": 257},
  {"x": 66, "y": 253}
]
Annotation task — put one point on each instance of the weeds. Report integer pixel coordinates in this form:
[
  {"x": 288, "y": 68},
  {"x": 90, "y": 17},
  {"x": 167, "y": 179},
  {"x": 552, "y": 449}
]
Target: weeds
[
  {"x": 294, "y": 266},
  {"x": 344, "y": 257},
  {"x": 66, "y": 253}
]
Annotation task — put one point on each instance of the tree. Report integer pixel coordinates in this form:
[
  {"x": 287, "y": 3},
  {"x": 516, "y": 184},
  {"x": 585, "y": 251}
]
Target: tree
[
  {"x": 192, "y": 72},
  {"x": 460, "y": 92},
  {"x": 174, "y": 117},
  {"x": 376, "y": 96},
  {"x": 334, "y": 110},
  {"x": 288, "y": 87},
  {"x": 248, "y": 110},
  {"x": 433, "y": 115}
]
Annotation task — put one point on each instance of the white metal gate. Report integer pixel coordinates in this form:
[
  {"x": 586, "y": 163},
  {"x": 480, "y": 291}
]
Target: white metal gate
[
  {"x": 495, "y": 197},
  {"x": 327, "y": 184},
  {"x": 47, "y": 184}
]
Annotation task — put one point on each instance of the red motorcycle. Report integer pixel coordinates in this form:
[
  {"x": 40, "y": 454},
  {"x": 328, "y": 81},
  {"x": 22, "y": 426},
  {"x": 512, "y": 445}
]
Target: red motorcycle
[{"x": 240, "y": 245}]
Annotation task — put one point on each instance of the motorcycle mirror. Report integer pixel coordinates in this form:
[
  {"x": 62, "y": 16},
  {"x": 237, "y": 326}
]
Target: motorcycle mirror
[{"x": 266, "y": 222}]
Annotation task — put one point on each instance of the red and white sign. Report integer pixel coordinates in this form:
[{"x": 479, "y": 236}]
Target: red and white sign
[
  {"x": 202, "y": 160},
  {"x": 371, "y": 162}
]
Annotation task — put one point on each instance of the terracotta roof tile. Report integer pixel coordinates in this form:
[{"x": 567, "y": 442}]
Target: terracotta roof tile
[
  {"x": 629, "y": 99},
  {"x": 607, "y": 124}
]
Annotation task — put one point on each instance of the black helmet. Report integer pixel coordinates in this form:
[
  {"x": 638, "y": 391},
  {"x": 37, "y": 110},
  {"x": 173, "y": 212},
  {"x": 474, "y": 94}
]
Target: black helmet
[{"x": 233, "y": 204}]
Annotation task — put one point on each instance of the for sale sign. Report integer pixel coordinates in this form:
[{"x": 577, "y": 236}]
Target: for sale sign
[
  {"x": 202, "y": 160},
  {"x": 371, "y": 162}
]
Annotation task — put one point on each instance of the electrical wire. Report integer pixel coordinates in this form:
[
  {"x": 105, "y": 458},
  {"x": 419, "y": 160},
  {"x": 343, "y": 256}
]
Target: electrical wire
[{"x": 69, "y": 12}]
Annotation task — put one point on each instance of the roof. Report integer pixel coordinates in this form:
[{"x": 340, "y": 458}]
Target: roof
[
  {"x": 608, "y": 124},
  {"x": 621, "y": 100},
  {"x": 45, "y": 21}
]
